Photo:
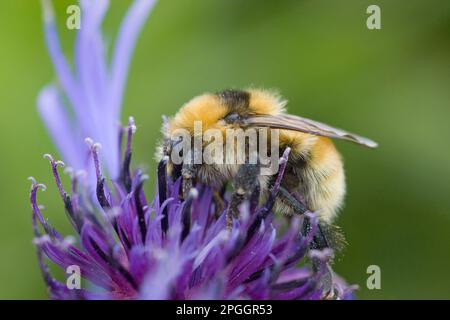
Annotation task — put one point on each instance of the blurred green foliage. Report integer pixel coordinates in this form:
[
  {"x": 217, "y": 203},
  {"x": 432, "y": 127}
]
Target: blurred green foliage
[{"x": 392, "y": 85}]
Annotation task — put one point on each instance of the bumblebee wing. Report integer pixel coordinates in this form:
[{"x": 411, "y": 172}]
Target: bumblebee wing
[{"x": 296, "y": 123}]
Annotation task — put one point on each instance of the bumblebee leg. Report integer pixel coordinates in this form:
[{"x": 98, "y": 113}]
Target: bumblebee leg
[
  {"x": 232, "y": 210},
  {"x": 189, "y": 173},
  {"x": 244, "y": 183},
  {"x": 189, "y": 170},
  {"x": 319, "y": 242},
  {"x": 291, "y": 201},
  {"x": 220, "y": 204}
]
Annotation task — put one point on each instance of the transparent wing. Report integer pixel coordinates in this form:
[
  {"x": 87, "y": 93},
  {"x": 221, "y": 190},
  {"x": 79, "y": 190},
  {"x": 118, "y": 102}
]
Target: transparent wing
[{"x": 296, "y": 123}]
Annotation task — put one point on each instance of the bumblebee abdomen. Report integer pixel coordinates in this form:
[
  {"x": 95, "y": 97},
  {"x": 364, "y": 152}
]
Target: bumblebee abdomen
[{"x": 315, "y": 174}]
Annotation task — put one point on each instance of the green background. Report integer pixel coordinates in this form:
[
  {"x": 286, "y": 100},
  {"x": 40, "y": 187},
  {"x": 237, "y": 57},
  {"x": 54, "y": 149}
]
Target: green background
[{"x": 392, "y": 85}]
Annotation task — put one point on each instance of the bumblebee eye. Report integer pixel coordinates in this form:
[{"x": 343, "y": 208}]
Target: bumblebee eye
[{"x": 232, "y": 117}]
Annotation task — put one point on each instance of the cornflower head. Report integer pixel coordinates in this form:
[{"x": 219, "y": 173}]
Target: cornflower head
[{"x": 128, "y": 245}]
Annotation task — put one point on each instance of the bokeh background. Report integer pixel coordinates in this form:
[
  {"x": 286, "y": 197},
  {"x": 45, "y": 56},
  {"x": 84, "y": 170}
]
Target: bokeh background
[{"x": 392, "y": 85}]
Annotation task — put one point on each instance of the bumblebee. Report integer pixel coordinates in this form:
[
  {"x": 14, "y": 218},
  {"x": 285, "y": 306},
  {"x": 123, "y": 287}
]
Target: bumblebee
[{"x": 314, "y": 176}]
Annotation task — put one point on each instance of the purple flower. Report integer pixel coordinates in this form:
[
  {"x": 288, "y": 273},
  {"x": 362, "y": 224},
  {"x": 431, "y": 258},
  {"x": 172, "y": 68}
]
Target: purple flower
[
  {"x": 121, "y": 248},
  {"x": 123, "y": 252},
  {"x": 87, "y": 100}
]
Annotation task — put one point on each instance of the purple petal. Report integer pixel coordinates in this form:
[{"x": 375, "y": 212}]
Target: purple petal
[
  {"x": 55, "y": 117},
  {"x": 126, "y": 41}
]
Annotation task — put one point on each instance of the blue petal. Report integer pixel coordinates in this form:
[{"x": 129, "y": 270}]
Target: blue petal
[
  {"x": 124, "y": 47},
  {"x": 59, "y": 126}
]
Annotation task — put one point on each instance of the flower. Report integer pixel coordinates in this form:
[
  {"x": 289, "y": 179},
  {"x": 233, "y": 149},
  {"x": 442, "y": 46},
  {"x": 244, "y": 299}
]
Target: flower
[
  {"x": 126, "y": 253},
  {"x": 129, "y": 246}
]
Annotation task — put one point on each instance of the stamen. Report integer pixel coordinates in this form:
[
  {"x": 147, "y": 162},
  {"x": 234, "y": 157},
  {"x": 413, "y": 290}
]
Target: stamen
[
  {"x": 140, "y": 211},
  {"x": 76, "y": 222},
  {"x": 276, "y": 185},
  {"x": 132, "y": 125},
  {"x": 35, "y": 185},
  {"x": 65, "y": 197},
  {"x": 38, "y": 241},
  {"x": 75, "y": 176},
  {"x": 35, "y": 208},
  {"x": 59, "y": 163},
  {"x": 162, "y": 191},
  {"x": 124, "y": 238},
  {"x": 114, "y": 263},
  {"x": 125, "y": 175},
  {"x": 75, "y": 219},
  {"x": 55, "y": 165},
  {"x": 101, "y": 195},
  {"x": 289, "y": 285},
  {"x": 89, "y": 142},
  {"x": 274, "y": 271},
  {"x": 69, "y": 240}
]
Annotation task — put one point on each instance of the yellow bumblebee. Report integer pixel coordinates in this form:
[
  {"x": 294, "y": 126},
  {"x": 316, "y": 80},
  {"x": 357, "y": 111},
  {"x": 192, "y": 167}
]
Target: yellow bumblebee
[{"x": 314, "y": 177}]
